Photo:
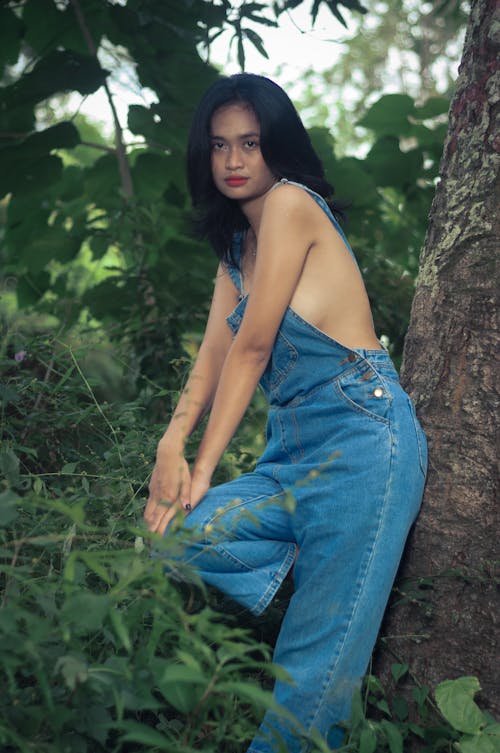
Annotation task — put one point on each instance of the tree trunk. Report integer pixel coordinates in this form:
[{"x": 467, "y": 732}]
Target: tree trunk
[{"x": 444, "y": 619}]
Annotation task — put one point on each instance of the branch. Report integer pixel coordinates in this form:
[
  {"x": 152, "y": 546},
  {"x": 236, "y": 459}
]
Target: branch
[{"x": 121, "y": 155}]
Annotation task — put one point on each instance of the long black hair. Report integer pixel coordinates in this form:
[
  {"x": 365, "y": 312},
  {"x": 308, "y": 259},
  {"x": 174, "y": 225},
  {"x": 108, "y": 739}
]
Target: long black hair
[{"x": 284, "y": 142}]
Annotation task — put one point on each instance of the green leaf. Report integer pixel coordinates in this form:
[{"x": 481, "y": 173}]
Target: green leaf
[
  {"x": 8, "y": 507},
  {"x": 393, "y": 736},
  {"x": 9, "y": 465},
  {"x": 102, "y": 181},
  {"x": 455, "y": 701},
  {"x": 31, "y": 287},
  {"x": 247, "y": 691},
  {"x": 120, "y": 628},
  {"x": 257, "y": 41},
  {"x": 182, "y": 687},
  {"x": 23, "y": 173},
  {"x": 390, "y": 166},
  {"x": 398, "y": 671},
  {"x": 389, "y": 115},
  {"x": 432, "y": 107},
  {"x": 481, "y": 743},
  {"x": 367, "y": 740},
  {"x": 353, "y": 183},
  {"x": 150, "y": 175},
  {"x": 141, "y": 733},
  {"x": 85, "y": 611},
  {"x": 59, "y": 71},
  {"x": 45, "y": 25},
  {"x": 55, "y": 243},
  {"x": 73, "y": 669},
  {"x": 400, "y": 706},
  {"x": 140, "y": 120},
  {"x": 63, "y": 135},
  {"x": 11, "y": 31}
]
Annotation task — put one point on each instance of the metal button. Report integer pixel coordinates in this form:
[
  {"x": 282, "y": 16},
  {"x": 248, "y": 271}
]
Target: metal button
[
  {"x": 351, "y": 357},
  {"x": 378, "y": 392}
]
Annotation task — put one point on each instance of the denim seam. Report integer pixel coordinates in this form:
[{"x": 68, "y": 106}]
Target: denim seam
[
  {"x": 297, "y": 457},
  {"x": 293, "y": 355},
  {"x": 219, "y": 548},
  {"x": 359, "y": 586},
  {"x": 421, "y": 452},
  {"x": 278, "y": 578}
]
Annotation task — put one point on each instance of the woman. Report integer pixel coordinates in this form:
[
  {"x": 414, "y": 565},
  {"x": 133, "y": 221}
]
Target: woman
[{"x": 342, "y": 436}]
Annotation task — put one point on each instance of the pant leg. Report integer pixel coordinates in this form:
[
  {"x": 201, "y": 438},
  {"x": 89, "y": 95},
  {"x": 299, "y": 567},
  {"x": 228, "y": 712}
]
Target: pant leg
[
  {"x": 240, "y": 539},
  {"x": 351, "y": 525}
]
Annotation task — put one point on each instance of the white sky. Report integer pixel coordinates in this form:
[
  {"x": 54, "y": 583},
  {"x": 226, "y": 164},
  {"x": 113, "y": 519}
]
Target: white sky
[{"x": 293, "y": 48}]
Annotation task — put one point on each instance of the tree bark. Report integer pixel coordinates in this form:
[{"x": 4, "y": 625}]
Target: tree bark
[{"x": 444, "y": 617}]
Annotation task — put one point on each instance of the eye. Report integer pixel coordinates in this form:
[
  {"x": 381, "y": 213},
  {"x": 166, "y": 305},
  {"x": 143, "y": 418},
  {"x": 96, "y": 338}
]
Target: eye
[
  {"x": 251, "y": 144},
  {"x": 217, "y": 146}
]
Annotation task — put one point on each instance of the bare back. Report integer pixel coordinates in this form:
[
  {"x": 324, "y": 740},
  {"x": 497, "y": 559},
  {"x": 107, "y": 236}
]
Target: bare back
[{"x": 330, "y": 293}]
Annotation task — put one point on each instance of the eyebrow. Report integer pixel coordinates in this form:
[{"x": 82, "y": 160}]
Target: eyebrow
[{"x": 253, "y": 134}]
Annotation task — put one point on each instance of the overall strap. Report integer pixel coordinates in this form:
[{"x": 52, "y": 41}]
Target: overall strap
[
  {"x": 233, "y": 268},
  {"x": 324, "y": 206}
]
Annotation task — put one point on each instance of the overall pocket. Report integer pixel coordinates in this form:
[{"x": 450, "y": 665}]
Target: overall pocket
[{"x": 365, "y": 392}]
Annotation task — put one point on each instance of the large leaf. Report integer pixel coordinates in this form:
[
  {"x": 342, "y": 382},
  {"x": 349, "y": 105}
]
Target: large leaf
[
  {"x": 11, "y": 31},
  {"x": 49, "y": 28},
  {"x": 355, "y": 185},
  {"x": 54, "y": 243},
  {"x": 27, "y": 176},
  {"x": 59, "y": 71},
  {"x": 432, "y": 107},
  {"x": 63, "y": 135},
  {"x": 182, "y": 686},
  {"x": 151, "y": 174},
  {"x": 45, "y": 25},
  {"x": 85, "y": 611},
  {"x": 31, "y": 287},
  {"x": 27, "y": 166},
  {"x": 389, "y": 115},
  {"x": 390, "y": 166},
  {"x": 455, "y": 699},
  {"x": 102, "y": 181}
]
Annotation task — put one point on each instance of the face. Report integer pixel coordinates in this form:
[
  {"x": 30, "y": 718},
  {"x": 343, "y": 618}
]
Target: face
[{"x": 238, "y": 167}]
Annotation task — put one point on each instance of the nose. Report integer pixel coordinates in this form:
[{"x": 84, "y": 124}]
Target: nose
[{"x": 234, "y": 159}]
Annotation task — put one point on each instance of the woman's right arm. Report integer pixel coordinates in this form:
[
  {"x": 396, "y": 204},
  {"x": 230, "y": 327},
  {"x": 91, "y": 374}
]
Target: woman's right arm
[{"x": 170, "y": 481}]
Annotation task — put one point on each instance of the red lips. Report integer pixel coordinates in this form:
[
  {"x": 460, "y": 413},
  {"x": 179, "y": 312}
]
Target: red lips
[{"x": 235, "y": 181}]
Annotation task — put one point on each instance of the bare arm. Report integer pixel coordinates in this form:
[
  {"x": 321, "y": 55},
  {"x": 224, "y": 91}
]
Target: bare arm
[
  {"x": 171, "y": 480},
  {"x": 285, "y": 237}
]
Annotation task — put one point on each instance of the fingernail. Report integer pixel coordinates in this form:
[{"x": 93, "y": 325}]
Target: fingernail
[{"x": 188, "y": 507}]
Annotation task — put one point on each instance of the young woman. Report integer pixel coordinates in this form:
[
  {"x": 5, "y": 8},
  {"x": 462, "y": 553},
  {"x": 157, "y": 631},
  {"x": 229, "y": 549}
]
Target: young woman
[{"x": 290, "y": 311}]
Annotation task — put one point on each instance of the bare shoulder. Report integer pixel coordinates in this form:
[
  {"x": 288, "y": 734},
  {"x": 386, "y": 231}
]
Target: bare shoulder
[{"x": 288, "y": 199}]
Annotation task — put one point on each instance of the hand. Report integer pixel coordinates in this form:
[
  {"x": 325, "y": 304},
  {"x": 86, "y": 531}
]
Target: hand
[
  {"x": 200, "y": 484},
  {"x": 169, "y": 488}
]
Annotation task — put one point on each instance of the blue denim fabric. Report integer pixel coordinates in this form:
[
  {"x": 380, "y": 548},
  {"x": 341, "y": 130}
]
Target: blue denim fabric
[{"x": 344, "y": 444}]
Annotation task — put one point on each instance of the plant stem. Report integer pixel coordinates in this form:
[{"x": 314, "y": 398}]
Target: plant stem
[{"x": 121, "y": 155}]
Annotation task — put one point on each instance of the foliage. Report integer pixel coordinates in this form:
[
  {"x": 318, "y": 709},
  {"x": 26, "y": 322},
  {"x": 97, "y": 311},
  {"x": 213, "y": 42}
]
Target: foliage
[
  {"x": 108, "y": 240},
  {"x": 452, "y": 722},
  {"x": 99, "y": 651},
  {"x": 399, "y": 46},
  {"x": 98, "y": 648},
  {"x": 104, "y": 295}
]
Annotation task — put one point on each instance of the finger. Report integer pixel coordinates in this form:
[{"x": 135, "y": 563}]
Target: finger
[
  {"x": 157, "y": 510},
  {"x": 166, "y": 519},
  {"x": 185, "y": 492}
]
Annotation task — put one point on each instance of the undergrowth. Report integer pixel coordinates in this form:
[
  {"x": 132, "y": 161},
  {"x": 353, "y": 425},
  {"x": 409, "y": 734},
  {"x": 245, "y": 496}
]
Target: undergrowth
[{"x": 99, "y": 650}]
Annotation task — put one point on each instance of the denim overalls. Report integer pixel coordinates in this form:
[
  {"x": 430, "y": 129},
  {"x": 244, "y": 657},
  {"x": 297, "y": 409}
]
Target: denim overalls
[{"x": 338, "y": 487}]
